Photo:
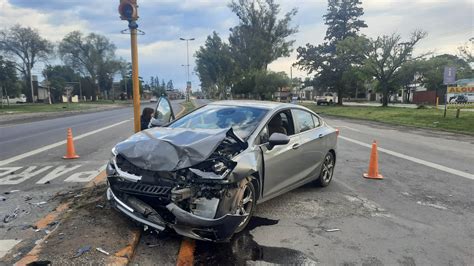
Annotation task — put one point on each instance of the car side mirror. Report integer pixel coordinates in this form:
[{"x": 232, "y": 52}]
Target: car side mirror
[{"x": 278, "y": 139}]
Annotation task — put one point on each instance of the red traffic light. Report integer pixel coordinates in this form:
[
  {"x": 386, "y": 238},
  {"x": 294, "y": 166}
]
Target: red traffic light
[{"x": 128, "y": 10}]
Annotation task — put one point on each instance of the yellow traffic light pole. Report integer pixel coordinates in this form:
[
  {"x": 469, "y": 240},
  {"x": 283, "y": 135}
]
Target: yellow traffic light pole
[
  {"x": 136, "y": 85},
  {"x": 128, "y": 10}
]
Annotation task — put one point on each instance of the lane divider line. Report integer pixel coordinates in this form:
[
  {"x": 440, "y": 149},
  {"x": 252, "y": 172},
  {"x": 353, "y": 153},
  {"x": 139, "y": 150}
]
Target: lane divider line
[
  {"x": 57, "y": 144},
  {"x": 186, "y": 252},
  {"x": 415, "y": 160},
  {"x": 350, "y": 128}
]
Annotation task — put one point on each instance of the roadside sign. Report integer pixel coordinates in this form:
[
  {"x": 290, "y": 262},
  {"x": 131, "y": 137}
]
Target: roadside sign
[
  {"x": 449, "y": 75},
  {"x": 460, "y": 97}
]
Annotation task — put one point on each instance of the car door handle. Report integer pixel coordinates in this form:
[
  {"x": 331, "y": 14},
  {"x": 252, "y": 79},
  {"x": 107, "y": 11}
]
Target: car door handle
[{"x": 295, "y": 146}]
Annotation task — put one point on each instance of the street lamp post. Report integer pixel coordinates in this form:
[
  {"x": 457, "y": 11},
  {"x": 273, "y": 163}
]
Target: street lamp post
[{"x": 188, "y": 87}]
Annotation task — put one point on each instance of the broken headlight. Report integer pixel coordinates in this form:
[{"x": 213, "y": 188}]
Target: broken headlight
[{"x": 219, "y": 167}]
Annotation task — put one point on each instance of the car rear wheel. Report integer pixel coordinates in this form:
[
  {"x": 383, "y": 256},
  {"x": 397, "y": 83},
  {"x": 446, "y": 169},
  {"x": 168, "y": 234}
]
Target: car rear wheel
[
  {"x": 246, "y": 205},
  {"x": 327, "y": 170}
]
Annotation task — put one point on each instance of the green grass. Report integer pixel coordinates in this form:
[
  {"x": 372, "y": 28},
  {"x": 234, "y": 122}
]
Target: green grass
[
  {"x": 188, "y": 107},
  {"x": 41, "y": 107},
  {"x": 424, "y": 118}
]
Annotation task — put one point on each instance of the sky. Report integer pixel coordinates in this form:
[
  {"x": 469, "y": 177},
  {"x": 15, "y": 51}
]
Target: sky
[{"x": 449, "y": 23}]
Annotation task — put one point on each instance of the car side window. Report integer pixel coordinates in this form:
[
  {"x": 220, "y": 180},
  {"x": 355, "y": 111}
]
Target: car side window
[
  {"x": 304, "y": 120},
  {"x": 317, "y": 121},
  {"x": 282, "y": 123}
]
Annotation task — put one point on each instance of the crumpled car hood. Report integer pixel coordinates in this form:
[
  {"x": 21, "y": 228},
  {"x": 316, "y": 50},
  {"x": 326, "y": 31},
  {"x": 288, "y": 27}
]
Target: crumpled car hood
[{"x": 171, "y": 149}]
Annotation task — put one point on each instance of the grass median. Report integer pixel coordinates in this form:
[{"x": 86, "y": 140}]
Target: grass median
[
  {"x": 57, "y": 107},
  {"x": 424, "y": 118},
  {"x": 188, "y": 107}
]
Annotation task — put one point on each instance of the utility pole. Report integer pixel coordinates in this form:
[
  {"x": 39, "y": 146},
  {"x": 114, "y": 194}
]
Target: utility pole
[
  {"x": 188, "y": 82},
  {"x": 128, "y": 11},
  {"x": 31, "y": 83}
]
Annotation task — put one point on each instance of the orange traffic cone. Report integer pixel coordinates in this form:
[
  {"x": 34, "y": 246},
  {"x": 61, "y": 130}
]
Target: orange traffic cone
[
  {"x": 70, "y": 151},
  {"x": 373, "y": 164}
]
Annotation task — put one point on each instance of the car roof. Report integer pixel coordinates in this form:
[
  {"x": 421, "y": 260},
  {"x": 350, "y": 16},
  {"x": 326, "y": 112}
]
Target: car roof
[{"x": 252, "y": 103}]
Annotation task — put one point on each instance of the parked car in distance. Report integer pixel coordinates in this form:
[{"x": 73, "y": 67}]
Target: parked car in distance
[
  {"x": 203, "y": 174},
  {"x": 327, "y": 98},
  {"x": 153, "y": 100},
  {"x": 19, "y": 99}
]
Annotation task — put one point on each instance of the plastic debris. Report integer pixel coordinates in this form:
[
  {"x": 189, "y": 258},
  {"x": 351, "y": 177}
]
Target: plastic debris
[
  {"x": 27, "y": 198},
  {"x": 10, "y": 192},
  {"x": 2, "y": 198},
  {"x": 39, "y": 203},
  {"x": 333, "y": 230},
  {"x": 81, "y": 251},
  {"x": 102, "y": 251},
  {"x": 12, "y": 216},
  {"x": 99, "y": 206}
]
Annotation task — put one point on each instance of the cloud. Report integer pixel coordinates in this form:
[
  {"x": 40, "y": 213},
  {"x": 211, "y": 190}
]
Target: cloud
[{"x": 449, "y": 24}]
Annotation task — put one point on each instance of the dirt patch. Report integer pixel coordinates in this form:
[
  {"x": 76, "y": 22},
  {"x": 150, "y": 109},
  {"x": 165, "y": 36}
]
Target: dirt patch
[{"x": 90, "y": 223}]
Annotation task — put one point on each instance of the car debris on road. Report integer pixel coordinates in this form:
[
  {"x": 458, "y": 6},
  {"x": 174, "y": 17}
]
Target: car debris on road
[
  {"x": 81, "y": 251},
  {"x": 12, "y": 216},
  {"x": 103, "y": 251}
]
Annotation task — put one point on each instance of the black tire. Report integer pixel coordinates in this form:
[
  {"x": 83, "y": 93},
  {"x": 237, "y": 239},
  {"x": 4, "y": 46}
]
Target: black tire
[
  {"x": 327, "y": 170},
  {"x": 251, "y": 205}
]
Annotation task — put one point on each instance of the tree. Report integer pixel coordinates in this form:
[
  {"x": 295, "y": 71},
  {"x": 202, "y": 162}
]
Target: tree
[
  {"x": 329, "y": 67},
  {"x": 433, "y": 70},
  {"x": 215, "y": 66},
  {"x": 169, "y": 85},
  {"x": 92, "y": 55},
  {"x": 260, "y": 38},
  {"x": 408, "y": 74},
  {"x": 58, "y": 77},
  {"x": 28, "y": 47},
  {"x": 466, "y": 53},
  {"x": 384, "y": 57},
  {"x": 262, "y": 83},
  {"x": 8, "y": 78}
]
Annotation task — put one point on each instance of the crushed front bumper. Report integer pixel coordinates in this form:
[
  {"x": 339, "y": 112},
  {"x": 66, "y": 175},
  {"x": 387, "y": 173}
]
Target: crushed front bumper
[{"x": 185, "y": 223}]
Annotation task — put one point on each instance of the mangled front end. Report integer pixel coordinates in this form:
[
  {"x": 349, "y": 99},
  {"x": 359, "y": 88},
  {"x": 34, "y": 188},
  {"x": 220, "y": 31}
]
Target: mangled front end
[{"x": 180, "y": 179}]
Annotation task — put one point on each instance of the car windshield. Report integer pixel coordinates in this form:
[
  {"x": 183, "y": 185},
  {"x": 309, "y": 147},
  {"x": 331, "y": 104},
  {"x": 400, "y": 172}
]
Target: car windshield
[{"x": 243, "y": 120}]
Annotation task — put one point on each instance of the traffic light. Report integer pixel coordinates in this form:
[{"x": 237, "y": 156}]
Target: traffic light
[{"x": 128, "y": 10}]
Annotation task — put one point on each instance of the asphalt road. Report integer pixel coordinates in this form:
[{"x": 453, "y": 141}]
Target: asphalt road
[
  {"x": 421, "y": 213},
  {"x": 32, "y": 170}
]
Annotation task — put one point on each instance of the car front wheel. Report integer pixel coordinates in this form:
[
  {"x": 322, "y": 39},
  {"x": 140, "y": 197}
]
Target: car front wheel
[
  {"x": 327, "y": 170},
  {"x": 246, "y": 205}
]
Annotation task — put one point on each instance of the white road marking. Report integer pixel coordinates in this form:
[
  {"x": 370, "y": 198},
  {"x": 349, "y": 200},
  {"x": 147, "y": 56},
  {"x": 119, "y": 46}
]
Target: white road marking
[
  {"x": 413, "y": 159},
  {"x": 350, "y": 128},
  {"x": 58, "y": 171},
  {"x": 54, "y": 145},
  {"x": 6, "y": 245},
  {"x": 9, "y": 177},
  {"x": 85, "y": 176},
  {"x": 23, "y": 176}
]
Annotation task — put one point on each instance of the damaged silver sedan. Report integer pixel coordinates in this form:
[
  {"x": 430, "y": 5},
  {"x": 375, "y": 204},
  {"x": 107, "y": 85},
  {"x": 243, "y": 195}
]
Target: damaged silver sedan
[{"x": 203, "y": 174}]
